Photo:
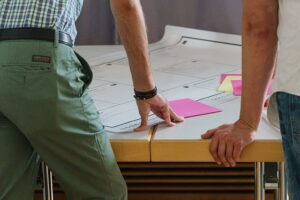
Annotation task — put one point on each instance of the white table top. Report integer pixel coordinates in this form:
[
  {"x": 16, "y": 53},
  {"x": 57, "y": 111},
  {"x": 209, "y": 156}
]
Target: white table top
[{"x": 198, "y": 61}]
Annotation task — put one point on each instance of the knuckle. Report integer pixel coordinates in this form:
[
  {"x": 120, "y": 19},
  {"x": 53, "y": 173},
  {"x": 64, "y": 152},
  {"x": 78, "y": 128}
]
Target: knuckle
[
  {"x": 238, "y": 143},
  {"x": 226, "y": 132},
  {"x": 220, "y": 135}
]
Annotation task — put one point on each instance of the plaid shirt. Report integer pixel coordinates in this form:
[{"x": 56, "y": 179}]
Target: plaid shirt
[{"x": 56, "y": 14}]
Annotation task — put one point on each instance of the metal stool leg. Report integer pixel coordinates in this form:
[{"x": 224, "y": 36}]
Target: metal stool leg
[
  {"x": 282, "y": 181},
  {"x": 259, "y": 181},
  {"x": 272, "y": 179},
  {"x": 47, "y": 183}
]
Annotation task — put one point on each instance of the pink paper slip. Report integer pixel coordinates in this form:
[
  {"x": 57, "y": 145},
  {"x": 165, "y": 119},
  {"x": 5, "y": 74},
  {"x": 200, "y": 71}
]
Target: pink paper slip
[
  {"x": 237, "y": 88},
  {"x": 223, "y": 76},
  {"x": 190, "y": 108}
]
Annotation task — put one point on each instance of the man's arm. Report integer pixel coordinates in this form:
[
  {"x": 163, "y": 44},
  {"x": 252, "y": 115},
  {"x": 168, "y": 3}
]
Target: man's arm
[
  {"x": 130, "y": 22},
  {"x": 260, "y": 20}
]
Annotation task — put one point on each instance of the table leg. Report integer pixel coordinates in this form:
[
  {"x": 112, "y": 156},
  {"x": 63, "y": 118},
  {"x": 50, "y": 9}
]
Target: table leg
[
  {"x": 259, "y": 181},
  {"x": 47, "y": 183}
]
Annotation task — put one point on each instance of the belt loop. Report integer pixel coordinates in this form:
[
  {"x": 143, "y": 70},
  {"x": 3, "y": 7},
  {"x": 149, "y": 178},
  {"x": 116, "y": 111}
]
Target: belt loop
[{"x": 56, "y": 38}]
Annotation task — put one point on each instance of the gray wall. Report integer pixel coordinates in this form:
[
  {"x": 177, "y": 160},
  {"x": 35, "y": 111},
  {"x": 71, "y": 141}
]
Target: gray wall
[{"x": 95, "y": 25}]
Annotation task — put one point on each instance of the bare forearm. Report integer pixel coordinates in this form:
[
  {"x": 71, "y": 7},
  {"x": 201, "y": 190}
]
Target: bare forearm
[
  {"x": 130, "y": 22},
  {"x": 259, "y": 53}
]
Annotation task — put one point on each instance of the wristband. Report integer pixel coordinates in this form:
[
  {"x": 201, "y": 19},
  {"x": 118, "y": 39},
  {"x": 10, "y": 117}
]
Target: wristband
[{"x": 145, "y": 95}]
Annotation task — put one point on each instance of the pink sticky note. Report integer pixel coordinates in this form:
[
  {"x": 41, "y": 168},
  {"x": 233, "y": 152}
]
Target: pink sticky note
[
  {"x": 237, "y": 87},
  {"x": 223, "y": 76},
  {"x": 190, "y": 108}
]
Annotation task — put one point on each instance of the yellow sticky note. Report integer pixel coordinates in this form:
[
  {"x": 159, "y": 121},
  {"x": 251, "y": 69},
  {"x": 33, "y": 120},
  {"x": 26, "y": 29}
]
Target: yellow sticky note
[{"x": 226, "y": 85}]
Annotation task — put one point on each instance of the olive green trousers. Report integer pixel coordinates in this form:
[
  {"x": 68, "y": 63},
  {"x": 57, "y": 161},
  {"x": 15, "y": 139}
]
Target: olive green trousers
[{"x": 46, "y": 113}]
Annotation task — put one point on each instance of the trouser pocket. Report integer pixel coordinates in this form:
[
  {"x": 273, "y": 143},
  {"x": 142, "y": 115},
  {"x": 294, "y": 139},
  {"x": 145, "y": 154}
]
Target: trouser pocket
[{"x": 86, "y": 70}]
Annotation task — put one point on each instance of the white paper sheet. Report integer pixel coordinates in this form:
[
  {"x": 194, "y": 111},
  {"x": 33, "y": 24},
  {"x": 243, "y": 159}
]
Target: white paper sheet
[{"x": 186, "y": 63}]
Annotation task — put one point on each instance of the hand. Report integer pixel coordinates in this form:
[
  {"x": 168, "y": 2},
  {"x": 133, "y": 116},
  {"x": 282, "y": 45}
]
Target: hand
[
  {"x": 160, "y": 107},
  {"x": 228, "y": 141}
]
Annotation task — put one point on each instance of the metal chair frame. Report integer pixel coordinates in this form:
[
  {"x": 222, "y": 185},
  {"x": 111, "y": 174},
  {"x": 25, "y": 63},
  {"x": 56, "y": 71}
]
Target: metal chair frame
[{"x": 48, "y": 193}]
